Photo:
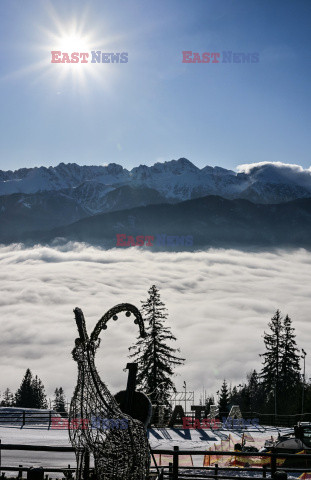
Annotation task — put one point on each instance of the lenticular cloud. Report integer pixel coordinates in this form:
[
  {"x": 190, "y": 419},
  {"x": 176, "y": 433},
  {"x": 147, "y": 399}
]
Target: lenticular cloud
[{"x": 219, "y": 303}]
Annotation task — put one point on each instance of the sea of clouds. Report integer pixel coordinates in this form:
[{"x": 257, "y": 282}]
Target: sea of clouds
[{"x": 219, "y": 303}]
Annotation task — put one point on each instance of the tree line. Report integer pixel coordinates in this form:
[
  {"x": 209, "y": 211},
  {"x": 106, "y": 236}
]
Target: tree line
[
  {"x": 31, "y": 394},
  {"x": 279, "y": 387}
]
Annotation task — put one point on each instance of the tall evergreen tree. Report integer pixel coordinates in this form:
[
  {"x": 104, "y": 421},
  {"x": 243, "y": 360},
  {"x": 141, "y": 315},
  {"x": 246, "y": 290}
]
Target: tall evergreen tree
[
  {"x": 31, "y": 392},
  {"x": 234, "y": 396},
  {"x": 59, "y": 402},
  {"x": 256, "y": 392},
  {"x": 223, "y": 403},
  {"x": 270, "y": 373},
  {"x": 289, "y": 366},
  {"x": 281, "y": 370},
  {"x": 24, "y": 395},
  {"x": 156, "y": 360},
  {"x": 39, "y": 394},
  {"x": 289, "y": 370}
]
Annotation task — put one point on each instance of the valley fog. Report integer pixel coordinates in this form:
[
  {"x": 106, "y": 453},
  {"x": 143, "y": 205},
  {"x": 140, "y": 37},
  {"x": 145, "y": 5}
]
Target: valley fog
[{"x": 219, "y": 303}]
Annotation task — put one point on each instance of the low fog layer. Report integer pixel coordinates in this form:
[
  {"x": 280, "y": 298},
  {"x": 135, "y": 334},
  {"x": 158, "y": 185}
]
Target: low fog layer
[{"x": 219, "y": 303}]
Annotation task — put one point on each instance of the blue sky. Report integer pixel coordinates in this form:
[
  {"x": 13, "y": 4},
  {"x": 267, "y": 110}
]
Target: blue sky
[{"x": 155, "y": 108}]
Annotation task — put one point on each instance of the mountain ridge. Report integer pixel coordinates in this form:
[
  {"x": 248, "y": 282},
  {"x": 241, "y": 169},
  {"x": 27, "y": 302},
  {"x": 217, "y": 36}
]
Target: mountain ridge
[
  {"x": 54, "y": 197},
  {"x": 211, "y": 221},
  {"x": 176, "y": 180}
]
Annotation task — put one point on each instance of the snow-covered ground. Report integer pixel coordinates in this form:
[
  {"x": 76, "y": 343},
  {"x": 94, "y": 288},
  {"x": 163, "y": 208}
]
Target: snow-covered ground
[
  {"x": 35, "y": 436},
  {"x": 160, "y": 438}
]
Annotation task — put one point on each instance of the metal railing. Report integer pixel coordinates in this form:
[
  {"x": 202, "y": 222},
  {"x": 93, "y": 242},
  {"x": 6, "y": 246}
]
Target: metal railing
[
  {"x": 28, "y": 418},
  {"x": 25, "y": 418},
  {"x": 264, "y": 419},
  {"x": 174, "y": 470}
]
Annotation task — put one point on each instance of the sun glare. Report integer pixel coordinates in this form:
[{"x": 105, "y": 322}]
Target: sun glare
[
  {"x": 68, "y": 70},
  {"x": 73, "y": 43}
]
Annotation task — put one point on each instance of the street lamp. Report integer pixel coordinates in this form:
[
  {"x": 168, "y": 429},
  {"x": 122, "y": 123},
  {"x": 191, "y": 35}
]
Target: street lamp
[{"x": 303, "y": 356}]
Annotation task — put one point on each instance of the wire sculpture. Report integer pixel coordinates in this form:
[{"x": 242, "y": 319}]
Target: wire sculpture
[{"x": 96, "y": 423}]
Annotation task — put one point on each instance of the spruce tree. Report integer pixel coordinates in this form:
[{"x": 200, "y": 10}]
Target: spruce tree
[
  {"x": 31, "y": 392},
  {"x": 271, "y": 371},
  {"x": 8, "y": 398},
  {"x": 39, "y": 394},
  {"x": 289, "y": 370},
  {"x": 156, "y": 360},
  {"x": 24, "y": 395},
  {"x": 289, "y": 367},
  {"x": 256, "y": 392},
  {"x": 223, "y": 403},
  {"x": 59, "y": 402},
  {"x": 234, "y": 396}
]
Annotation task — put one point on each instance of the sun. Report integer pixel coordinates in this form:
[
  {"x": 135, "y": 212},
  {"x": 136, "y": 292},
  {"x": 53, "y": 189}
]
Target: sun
[
  {"x": 73, "y": 43},
  {"x": 68, "y": 41},
  {"x": 80, "y": 34}
]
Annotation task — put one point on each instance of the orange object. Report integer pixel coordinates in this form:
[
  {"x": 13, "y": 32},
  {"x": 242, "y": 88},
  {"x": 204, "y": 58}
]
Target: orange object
[{"x": 183, "y": 460}]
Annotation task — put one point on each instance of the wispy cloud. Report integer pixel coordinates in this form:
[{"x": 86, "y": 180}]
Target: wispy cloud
[{"x": 219, "y": 303}]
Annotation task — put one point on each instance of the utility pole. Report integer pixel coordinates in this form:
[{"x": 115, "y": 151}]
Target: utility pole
[{"x": 303, "y": 356}]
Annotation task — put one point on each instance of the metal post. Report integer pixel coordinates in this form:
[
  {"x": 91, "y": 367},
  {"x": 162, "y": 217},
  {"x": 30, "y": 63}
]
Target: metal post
[
  {"x": 303, "y": 356},
  {"x": 50, "y": 419},
  {"x": 216, "y": 470},
  {"x": 170, "y": 470},
  {"x": 275, "y": 410},
  {"x": 86, "y": 469},
  {"x": 185, "y": 387},
  {"x": 273, "y": 464},
  {"x": 175, "y": 463}
]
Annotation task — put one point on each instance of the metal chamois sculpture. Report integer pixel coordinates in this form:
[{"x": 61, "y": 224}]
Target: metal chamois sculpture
[{"x": 119, "y": 453}]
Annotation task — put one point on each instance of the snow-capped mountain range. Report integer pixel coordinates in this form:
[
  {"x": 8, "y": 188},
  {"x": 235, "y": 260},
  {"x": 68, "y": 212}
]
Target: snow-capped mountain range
[
  {"x": 176, "y": 180},
  {"x": 44, "y": 198}
]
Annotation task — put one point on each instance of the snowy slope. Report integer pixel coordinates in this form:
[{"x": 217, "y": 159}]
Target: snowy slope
[{"x": 69, "y": 175}]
